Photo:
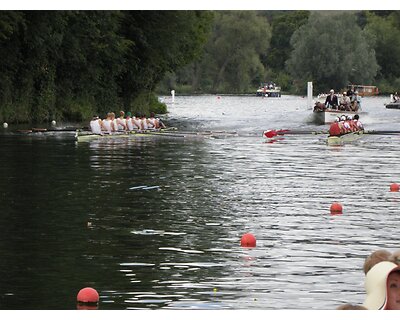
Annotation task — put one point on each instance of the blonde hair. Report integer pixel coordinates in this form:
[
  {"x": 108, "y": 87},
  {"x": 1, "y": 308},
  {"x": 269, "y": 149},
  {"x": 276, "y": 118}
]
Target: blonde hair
[
  {"x": 376, "y": 257},
  {"x": 395, "y": 257},
  {"x": 349, "y": 306}
]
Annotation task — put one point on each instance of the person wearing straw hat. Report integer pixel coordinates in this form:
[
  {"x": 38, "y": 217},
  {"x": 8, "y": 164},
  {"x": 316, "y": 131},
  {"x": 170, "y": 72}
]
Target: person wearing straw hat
[
  {"x": 382, "y": 285},
  {"x": 376, "y": 257}
]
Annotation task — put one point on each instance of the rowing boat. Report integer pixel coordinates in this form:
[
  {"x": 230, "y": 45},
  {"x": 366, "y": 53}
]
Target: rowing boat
[
  {"x": 344, "y": 138},
  {"x": 83, "y": 136}
]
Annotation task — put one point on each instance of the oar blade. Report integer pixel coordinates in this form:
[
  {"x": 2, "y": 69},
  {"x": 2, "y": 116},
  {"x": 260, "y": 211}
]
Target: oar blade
[{"x": 270, "y": 133}]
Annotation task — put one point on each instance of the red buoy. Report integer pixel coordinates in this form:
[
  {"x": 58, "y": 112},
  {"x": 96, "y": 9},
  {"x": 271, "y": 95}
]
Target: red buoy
[
  {"x": 87, "y": 295},
  {"x": 336, "y": 208},
  {"x": 248, "y": 240},
  {"x": 394, "y": 187}
]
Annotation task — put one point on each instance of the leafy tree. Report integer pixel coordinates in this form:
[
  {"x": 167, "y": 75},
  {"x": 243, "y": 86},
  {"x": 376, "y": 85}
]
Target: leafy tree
[
  {"x": 384, "y": 33},
  {"x": 331, "y": 50},
  {"x": 283, "y": 28},
  {"x": 231, "y": 60},
  {"x": 163, "y": 42}
]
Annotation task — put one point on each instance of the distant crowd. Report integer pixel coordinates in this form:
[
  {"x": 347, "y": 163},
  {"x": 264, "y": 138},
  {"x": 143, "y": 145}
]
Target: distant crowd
[
  {"x": 345, "y": 124},
  {"x": 349, "y": 101},
  {"x": 125, "y": 123}
]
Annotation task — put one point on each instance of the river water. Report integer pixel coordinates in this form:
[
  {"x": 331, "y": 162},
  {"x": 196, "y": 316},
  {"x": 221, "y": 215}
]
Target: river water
[{"x": 77, "y": 214}]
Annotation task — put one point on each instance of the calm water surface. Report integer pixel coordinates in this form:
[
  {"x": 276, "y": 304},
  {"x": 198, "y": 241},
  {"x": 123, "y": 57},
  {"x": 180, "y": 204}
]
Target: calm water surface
[{"x": 76, "y": 215}]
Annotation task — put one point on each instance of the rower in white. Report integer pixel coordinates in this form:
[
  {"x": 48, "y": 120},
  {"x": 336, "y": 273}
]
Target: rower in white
[{"x": 95, "y": 125}]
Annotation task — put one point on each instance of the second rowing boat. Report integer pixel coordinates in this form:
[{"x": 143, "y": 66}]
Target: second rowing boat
[{"x": 344, "y": 138}]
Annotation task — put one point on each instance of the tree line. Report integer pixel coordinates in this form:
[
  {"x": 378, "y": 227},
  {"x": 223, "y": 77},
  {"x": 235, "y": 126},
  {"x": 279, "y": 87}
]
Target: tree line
[
  {"x": 70, "y": 65},
  {"x": 330, "y": 48}
]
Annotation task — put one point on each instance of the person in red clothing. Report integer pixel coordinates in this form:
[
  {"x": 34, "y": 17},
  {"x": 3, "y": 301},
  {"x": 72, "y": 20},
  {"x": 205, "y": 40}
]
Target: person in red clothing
[{"x": 334, "y": 129}]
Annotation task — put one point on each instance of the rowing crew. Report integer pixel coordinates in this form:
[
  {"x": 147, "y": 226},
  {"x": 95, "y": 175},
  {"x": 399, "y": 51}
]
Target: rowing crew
[
  {"x": 345, "y": 124},
  {"x": 124, "y": 123}
]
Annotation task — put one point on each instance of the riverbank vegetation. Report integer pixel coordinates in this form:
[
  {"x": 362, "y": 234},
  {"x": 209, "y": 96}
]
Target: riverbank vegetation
[
  {"x": 330, "y": 48},
  {"x": 72, "y": 64},
  {"x": 69, "y": 65}
]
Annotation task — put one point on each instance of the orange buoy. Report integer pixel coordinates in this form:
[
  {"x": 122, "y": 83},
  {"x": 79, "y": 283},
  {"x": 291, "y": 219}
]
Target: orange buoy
[
  {"x": 248, "y": 240},
  {"x": 394, "y": 187},
  {"x": 87, "y": 295},
  {"x": 336, "y": 208}
]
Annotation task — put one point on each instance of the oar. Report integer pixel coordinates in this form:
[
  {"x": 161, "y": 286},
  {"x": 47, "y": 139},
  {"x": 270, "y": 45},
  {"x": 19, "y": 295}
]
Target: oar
[
  {"x": 383, "y": 132},
  {"x": 274, "y": 133}
]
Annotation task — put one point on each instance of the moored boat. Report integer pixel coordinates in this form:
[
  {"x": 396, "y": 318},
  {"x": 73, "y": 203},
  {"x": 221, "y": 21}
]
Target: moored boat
[
  {"x": 363, "y": 90},
  {"x": 393, "y": 105},
  {"x": 268, "y": 90},
  {"x": 344, "y": 138}
]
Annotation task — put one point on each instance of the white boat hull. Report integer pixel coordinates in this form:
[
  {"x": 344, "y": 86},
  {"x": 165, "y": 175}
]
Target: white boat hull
[{"x": 329, "y": 116}]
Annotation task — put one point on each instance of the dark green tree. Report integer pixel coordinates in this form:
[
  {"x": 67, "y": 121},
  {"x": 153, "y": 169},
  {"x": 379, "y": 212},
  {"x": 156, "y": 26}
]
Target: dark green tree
[
  {"x": 163, "y": 42},
  {"x": 283, "y": 27},
  {"x": 332, "y": 51}
]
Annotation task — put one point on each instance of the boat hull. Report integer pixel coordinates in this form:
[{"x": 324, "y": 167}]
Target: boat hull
[
  {"x": 345, "y": 138},
  {"x": 88, "y": 136},
  {"x": 272, "y": 93},
  {"x": 393, "y": 105},
  {"x": 329, "y": 116}
]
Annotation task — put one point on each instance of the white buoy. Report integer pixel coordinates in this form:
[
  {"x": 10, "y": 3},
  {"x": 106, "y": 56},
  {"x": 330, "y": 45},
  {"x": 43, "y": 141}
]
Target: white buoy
[
  {"x": 173, "y": 95},
  {"x": 53, "y": 123},
  {"x": 5, "y": 125},
  {"x": 309, "y": 94}
]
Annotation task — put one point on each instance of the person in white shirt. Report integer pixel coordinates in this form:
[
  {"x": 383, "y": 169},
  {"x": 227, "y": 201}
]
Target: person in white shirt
[
  {"x": 96, "y": 125},
  {"x": 108, "y": 124},
  {"x": 129, "y": 123},
  {"x": 121, "y": 122},
  {"x": 345, "y": 102}
]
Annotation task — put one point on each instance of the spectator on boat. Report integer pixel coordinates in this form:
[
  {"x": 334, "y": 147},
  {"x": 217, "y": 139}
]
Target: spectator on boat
[
  {"x": 345, "y": 102},
  {"x": 96, "y": 125},
  {"x": 350, "y": 92},
  {"x": 356, "y": 102},
  {"x": 396, "y": 98},
  {"x": 331, "y": 100},
  {"x": 382, "y": 284},
  {"x": 319, "y": 106},
  {"x": 335, "y": 129}
]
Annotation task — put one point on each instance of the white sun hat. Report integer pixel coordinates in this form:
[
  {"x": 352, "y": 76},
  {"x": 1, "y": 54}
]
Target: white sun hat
[{"x": 375, "y": 285}]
